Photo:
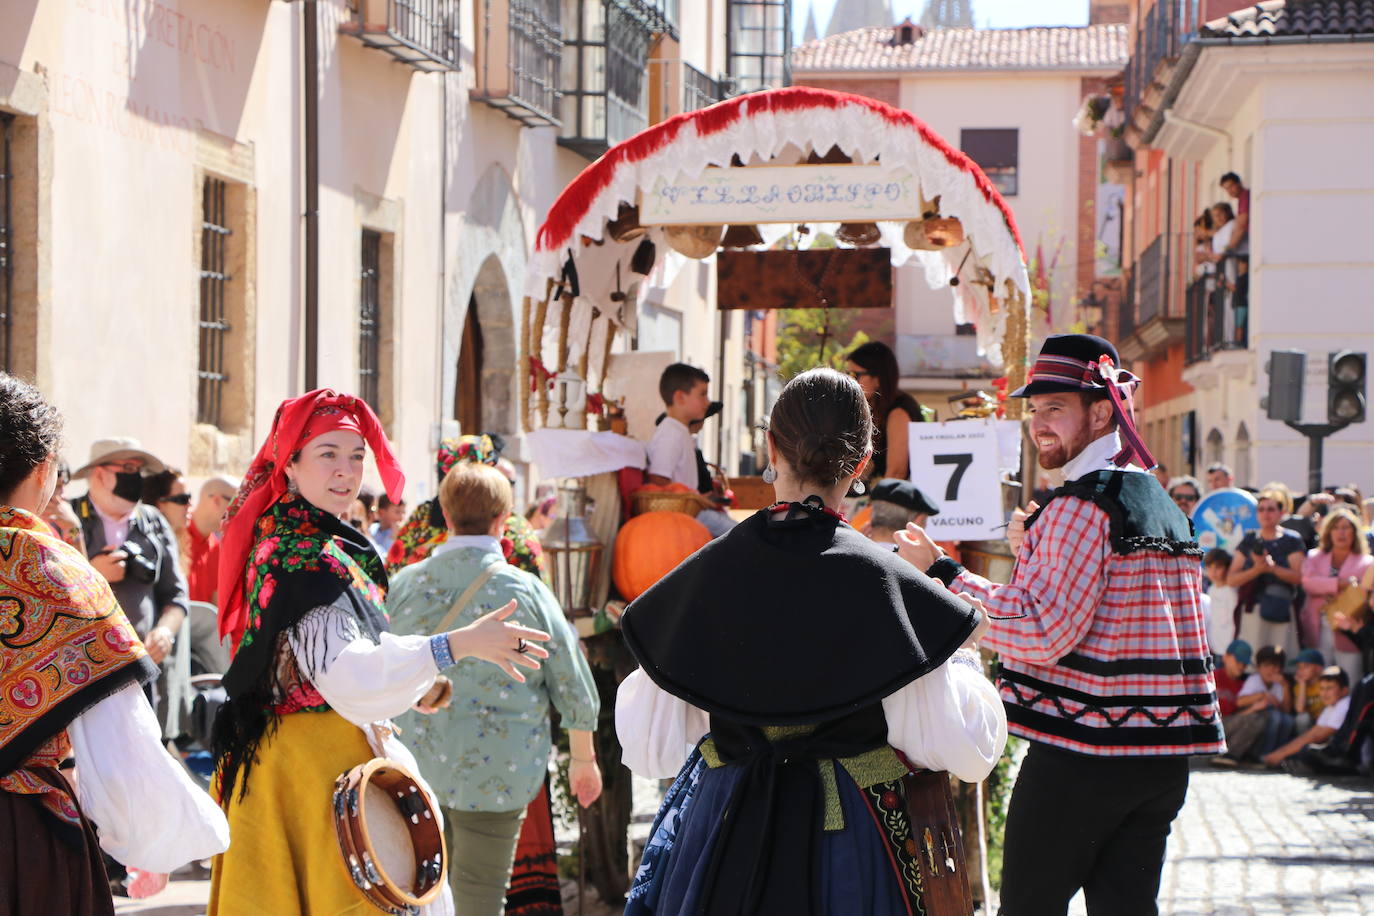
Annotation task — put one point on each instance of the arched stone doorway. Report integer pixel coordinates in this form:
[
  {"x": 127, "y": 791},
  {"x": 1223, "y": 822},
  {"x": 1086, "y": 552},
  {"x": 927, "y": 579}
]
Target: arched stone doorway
[
  {"x": 480, "y": 350},
  {"x": 483, "y": 397},
  {"x": 1216, "y": 447}
]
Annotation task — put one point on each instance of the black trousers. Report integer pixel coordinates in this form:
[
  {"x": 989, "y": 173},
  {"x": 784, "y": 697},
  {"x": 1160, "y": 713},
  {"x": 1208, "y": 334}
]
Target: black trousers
[{"x": 1096, "y": 823}]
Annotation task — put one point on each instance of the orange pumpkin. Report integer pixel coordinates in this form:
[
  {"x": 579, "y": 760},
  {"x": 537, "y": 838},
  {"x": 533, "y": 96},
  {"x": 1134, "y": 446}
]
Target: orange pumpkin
[{"x": 650, "y": 546}]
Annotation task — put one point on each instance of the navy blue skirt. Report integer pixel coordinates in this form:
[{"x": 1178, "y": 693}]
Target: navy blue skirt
[{"x": 866, "y": 868}]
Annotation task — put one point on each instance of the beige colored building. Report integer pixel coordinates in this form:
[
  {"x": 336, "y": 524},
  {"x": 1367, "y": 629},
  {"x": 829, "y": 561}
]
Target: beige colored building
[
  {"x": 155, "y": 279},
  {"x": 1006, "y": 97},
  {"x": 1278, "y": 93}
]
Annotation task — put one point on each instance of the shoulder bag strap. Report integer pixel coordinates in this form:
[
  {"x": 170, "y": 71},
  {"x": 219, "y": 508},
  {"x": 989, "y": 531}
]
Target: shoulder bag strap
[{"x": 466, "y": 597}]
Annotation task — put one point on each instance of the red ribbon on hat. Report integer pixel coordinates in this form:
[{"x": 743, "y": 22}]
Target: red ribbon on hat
[
  {"x": 1121, "y": 386},
  {"x": 297, "y": 421}
]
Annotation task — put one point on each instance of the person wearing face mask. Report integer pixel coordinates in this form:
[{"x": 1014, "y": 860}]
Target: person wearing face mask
[
  {"x": 131, "y": 543},
  {"x": 316, "y": 677}
]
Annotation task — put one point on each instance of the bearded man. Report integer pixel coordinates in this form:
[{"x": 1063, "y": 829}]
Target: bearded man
[{"x": 1105, "y": 665}]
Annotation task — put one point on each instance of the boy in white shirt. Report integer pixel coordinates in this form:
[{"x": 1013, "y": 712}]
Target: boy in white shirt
[
  {"x": 672, "y": 449},
  {"x": 1335, "y": 688}
]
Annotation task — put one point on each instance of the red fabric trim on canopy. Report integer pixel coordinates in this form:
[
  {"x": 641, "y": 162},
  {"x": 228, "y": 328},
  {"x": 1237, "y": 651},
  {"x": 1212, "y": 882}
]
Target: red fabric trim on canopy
[{"x": 579, "y": 195}]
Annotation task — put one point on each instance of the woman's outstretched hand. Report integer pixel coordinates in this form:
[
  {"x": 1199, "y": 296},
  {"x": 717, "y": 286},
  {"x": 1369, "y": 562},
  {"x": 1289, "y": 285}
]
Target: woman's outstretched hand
[
  {"x": 505, "y": 645},
  {"x": 916, "y": 547}
]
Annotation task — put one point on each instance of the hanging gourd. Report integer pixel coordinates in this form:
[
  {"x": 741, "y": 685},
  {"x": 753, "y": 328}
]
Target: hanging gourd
[{"x": 650, "y": 546}]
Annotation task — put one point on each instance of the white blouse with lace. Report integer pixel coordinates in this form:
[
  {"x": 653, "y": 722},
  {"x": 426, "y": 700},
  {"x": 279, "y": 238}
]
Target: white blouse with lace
[{"x": 951, "y": 719}]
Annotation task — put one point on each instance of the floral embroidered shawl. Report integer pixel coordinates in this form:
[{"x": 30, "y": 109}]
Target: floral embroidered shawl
[
  {"x": 64, "y": 646},
  {"x": 302, "y": 558}
]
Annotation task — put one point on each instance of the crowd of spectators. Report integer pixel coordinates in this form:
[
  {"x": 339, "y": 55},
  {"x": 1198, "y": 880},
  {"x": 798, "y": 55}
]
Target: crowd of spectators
[{"x": 1290, "y": 619}]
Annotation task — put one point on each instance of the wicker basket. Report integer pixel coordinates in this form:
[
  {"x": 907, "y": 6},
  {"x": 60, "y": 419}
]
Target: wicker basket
[{"x": 659, "y": 501}]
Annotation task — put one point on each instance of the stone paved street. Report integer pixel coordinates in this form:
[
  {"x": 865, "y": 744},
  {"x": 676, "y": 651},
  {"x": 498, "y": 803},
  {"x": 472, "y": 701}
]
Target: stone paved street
[
  {"x": 1247, "y": 844},
  {"x": 1258, "y": 843}
]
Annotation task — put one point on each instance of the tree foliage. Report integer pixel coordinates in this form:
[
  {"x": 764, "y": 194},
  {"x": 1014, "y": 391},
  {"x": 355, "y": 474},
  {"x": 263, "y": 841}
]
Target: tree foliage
[{"x": 802, "y": 333}]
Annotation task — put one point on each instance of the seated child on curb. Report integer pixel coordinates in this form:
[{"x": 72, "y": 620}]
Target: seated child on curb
[
  {"x": 1261, "y": 721},
  {"x": 1230, "y": 677},
  {"x": 1335, "y": 691},
  {"x": 1307, "y": 692}
]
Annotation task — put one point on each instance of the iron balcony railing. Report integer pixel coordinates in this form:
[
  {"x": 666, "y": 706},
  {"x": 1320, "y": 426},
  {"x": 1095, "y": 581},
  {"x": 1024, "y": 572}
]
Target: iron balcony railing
[
  {"x": 1218, "y": 309},
  {"x": 1161, "y": 37},
  {"x": 1153, "y": 270},
  {"x": 698, "y": 89},
  {"x": 421, "y": 33},
  {"x": 519, "y": 59},
  {"x": 1125, "y": 321},
  {"x": 605, "y": 73},
  {"x": 536, "y": 54}
]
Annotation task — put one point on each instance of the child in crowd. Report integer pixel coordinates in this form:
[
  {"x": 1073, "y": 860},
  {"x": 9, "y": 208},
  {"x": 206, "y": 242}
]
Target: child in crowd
[
  {"x": 1221, "y": 614},
  {"x": 1335, "y": 693},
  {"x": 1261, "y": 721},
  {"x": 672, "y": 450},
  {"x": 1230, "y": 677},
  {"x": 1307, "y": 690}
]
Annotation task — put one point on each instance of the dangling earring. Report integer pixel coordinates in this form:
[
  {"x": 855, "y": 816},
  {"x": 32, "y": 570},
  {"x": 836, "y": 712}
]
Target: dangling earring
[
  {"x": 770, "y": 474},
  {"x": 859, "y": 487},
  {"x": 291, "y": 486}
]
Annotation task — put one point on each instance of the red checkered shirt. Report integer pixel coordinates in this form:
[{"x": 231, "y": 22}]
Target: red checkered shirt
[{"x": 1102, "y": 653}]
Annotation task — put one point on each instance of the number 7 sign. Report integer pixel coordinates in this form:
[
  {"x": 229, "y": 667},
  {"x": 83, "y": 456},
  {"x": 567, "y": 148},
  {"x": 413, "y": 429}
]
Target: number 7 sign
[{"x": 957, "y": 464}]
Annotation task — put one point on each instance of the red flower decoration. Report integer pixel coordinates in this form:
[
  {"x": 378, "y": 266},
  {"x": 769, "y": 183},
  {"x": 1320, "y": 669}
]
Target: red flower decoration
[
  {"x": 890, "y": 799},
  {"x": 269, "y": 585}
]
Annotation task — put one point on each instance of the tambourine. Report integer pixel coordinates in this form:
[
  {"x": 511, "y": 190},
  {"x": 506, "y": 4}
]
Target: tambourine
[{"x": 390, "y": 836}]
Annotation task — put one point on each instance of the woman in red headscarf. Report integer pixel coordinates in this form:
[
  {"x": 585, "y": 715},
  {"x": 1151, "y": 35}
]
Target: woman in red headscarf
[{"x": 315, "y": 677}]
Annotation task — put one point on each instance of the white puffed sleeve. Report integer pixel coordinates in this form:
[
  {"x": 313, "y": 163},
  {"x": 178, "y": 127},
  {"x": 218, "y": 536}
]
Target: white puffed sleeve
[
  {"x": 363, "y": 681},
  {"x": 656, "y": 729},
  {"x": 150, "y": 814},
  {"x": 952, "y": 719}
]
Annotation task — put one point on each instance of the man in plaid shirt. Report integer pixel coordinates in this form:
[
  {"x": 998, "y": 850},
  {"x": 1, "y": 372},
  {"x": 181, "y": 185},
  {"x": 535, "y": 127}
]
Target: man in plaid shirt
[{"x": 1105, "y": 665}]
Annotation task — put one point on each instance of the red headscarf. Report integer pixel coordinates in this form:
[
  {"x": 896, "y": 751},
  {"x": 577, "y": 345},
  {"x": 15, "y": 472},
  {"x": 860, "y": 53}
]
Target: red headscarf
[{"x": 298, "y": 420}]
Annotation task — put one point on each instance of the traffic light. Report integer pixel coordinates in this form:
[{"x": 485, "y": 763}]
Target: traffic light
[
  {"x": 1345, "y": 384},
  {"x": 1287, "y": 372}
]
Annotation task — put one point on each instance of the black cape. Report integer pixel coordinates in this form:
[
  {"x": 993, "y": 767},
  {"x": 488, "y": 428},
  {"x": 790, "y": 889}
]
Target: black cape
[{"x": 793, "y": 621}]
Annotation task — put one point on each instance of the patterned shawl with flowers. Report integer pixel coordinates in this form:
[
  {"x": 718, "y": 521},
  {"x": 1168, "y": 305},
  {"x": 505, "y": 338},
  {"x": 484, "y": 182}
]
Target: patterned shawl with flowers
[
  {"x": 64, "y": 646},
  {"x": 302, "y": 558},
  {"x": 425, "y": 529}
]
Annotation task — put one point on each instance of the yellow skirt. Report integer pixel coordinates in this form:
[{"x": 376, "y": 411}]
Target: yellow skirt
[{"x": 283, "y": 857}]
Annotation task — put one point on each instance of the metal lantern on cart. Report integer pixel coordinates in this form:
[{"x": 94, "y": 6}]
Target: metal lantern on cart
[{"x": 574, "y": 553}]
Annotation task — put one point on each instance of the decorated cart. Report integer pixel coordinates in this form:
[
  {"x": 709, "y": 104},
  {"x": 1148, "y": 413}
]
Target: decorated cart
[{"x": 803, "y": 196}]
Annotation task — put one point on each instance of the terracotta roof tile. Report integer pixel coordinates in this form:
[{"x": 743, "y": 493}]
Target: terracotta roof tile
[
  {"x": 1275, "y": 18},
  {"x": 1092, "y": 47}
]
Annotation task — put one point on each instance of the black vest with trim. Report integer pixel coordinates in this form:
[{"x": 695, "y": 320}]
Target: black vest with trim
[{"x": 1139, "y": 511}]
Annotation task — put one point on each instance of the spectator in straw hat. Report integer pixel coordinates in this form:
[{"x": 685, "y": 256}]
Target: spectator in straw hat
[{"x": 130, "y": 543}]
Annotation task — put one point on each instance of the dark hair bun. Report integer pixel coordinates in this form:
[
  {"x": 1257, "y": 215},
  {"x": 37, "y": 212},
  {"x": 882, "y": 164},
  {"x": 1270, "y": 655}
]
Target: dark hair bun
[
  {"x": 821, "y": 426},
  {"x": 30, "y": 432}
]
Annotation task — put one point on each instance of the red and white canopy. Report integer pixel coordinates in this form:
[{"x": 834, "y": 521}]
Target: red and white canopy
[{"x": 777, "y": 127}]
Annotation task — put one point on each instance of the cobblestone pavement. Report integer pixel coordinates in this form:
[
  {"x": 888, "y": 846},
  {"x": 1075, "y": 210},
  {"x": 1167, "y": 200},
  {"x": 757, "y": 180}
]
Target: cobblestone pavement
[
  {"x": 1265, "y": 843},
  {"x": 1246, "y": 844}
]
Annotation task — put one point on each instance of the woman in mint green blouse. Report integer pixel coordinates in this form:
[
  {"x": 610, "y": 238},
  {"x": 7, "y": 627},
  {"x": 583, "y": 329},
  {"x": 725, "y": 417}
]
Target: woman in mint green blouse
[{"x": 487, "y": 753}]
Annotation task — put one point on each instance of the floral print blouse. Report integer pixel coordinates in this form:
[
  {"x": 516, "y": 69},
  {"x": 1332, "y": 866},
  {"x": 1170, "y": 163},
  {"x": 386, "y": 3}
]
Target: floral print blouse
[{"x": 489, "y": 750}]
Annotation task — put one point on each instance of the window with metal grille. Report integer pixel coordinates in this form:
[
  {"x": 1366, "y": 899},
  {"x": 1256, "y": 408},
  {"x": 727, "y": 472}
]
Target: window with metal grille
[
  {"x": 211, "y": 371},
  {"x": 758, "y": 38},
  {"x": 6, "y": 245},
  {"x": 605, "y": 69},
  {"x": 370, "y": 321}
]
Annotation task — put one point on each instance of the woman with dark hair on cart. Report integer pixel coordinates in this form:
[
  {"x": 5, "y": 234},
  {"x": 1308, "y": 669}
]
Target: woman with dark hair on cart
[
  {"x": 70, "y": 670},
  {"x": 824, "y": 672},
  {"x": 316, "y": 677},
  {"x": 874, "y": 366}
]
